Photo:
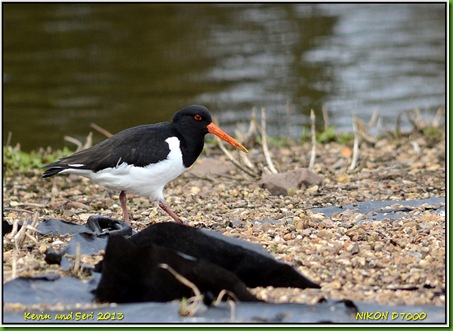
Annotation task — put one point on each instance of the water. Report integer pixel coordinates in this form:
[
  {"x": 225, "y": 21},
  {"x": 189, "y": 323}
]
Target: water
[{"x": 120, "y": 65}]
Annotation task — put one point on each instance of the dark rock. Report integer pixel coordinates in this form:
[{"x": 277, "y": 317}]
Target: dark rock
[{"x": 282, "y": 183}]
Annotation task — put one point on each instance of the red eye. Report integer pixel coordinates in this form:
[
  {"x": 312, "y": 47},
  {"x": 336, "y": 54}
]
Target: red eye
[{"x": 198, "y": 117}]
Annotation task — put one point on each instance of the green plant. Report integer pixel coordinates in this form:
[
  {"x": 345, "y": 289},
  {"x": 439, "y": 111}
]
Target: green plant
[{"x": 17, "y": 161}]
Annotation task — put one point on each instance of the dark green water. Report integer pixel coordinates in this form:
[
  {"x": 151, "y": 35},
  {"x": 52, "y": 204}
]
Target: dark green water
[{"x": 120, "y": 65}]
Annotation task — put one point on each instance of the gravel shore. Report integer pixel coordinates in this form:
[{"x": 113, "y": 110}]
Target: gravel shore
[{"x": 390, "y": 261}]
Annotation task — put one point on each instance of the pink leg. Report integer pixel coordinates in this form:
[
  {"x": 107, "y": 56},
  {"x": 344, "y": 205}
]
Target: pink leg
[
  {"x": 169, "y": 212},
  {"x": 124, "y": 208}
]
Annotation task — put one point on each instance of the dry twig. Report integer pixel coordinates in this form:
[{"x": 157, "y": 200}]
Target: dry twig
[
  {"x": 247, "y": 136},
  {"x": 355, "y": 151},
  {"x": 101, "y": 130},
  {"x": 19, "y": 237},
  {"x": 77, "y": 267},
  {"x": 267, "y": 155},
  {"x": 79, "y": 144},
  {"x": 8, "y": 139},
  {"x": 325, "y": 116},
  {"x": 233, "y": 160},
  {"x": 373, "y": 119},
  {"x": 192, "y": 305},
  {"x": 75, "y": 141},
  {"x": 436, "y": 120},
  {"x": 362, "y": 132},
  {"x": 313, "y": 140},
  {"x": 89, "y": 141}
]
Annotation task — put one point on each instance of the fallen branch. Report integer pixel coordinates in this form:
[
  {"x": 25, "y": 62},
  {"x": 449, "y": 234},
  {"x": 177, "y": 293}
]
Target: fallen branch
[{"x": 313, "y": 140}]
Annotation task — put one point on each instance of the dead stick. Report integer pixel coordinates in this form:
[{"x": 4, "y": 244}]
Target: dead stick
[
  {"x": 74, "y": 141},
  {"x": 14, "y": 263},
  {"x": 267, "y": 155},
  {"x": 89, "y": 141},
  {"x": 436, "y": 120},
  {"x": 373, "y": 119},
  {"x": 181, "y": 279},
  {"x": 325, "y": 116},
  {"x": 355, "y": 151},
  {"x": 246, "y": 160},
  {"x": 232, "y": 159},
  {"x": 313, "y": 140},
  {"x": 101, "y": 130},
  {"x": 77, "y": 263},
  {"x": 8, "y": 139}
]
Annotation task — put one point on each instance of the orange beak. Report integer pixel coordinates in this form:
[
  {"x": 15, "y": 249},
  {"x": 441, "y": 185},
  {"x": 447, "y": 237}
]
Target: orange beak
[{"x": 214, "y": 129}]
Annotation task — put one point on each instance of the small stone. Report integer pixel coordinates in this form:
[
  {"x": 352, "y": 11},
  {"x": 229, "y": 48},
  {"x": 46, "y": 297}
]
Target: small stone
[
  {"x": 281, "y": 183},
  {"x": 195, "y": 190},
  {"x": 322, "y": 233}
]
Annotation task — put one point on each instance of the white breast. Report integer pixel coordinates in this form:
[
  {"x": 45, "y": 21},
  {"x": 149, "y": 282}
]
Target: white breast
[{"x": 145, "y": 181}]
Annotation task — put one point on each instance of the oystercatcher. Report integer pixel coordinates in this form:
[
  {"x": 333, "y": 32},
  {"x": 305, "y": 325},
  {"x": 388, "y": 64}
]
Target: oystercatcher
[{"x": 143, "y": 159}]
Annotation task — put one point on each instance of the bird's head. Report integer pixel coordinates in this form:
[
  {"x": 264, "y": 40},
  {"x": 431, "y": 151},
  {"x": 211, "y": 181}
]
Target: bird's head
[{"x": 196, "y": 120}]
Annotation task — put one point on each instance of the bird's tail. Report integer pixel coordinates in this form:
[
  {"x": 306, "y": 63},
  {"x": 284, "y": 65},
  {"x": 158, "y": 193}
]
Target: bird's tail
[{"x": 52, "y": 169}]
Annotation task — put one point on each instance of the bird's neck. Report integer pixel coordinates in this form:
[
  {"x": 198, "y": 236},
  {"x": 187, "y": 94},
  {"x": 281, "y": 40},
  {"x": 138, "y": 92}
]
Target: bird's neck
[{"x": 191, "y": 150}]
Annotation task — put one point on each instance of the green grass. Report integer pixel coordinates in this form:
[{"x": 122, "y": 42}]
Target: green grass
[{"x": 15, "y": 161}]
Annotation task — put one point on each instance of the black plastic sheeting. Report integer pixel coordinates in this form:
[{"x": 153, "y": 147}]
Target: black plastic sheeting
[
  {"x": 212, "y": 263},
  {"x": 341, "y": 312},
  {"x": 132, "y": 267},
  {"x": 202, "y": 256},
  {"x": 49, "y": 289},
  {"x": 380, "y": 210}
]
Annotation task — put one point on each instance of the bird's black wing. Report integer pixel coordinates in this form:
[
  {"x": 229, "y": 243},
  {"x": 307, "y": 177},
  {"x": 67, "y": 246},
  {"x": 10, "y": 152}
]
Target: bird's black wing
[{"x": 140, "y": 145}]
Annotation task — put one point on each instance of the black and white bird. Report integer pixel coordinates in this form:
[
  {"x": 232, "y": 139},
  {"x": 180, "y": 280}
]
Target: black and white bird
[{"x": 143, "y": 159}]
